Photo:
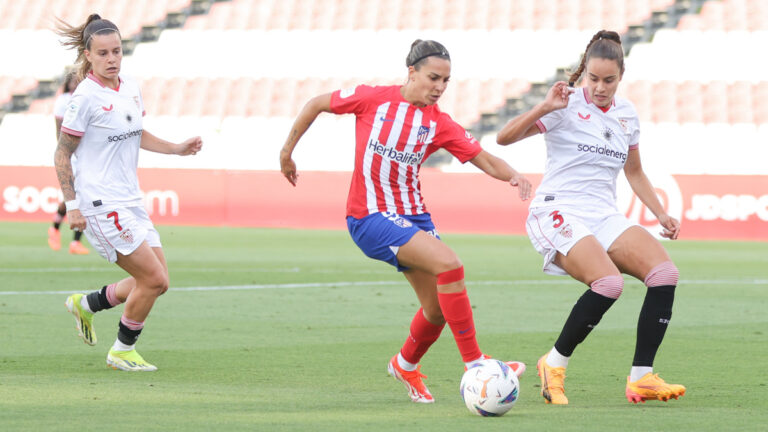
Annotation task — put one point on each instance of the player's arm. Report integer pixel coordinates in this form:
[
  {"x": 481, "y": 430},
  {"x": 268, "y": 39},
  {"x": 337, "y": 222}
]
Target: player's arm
[
  {"x": 644, "y": 190},
  {"x": 499, "y": 169},
  {"x": 308, "y": 114},
  {"x": 62, "y": 160},
  {"x": 58, "y": 127},
  {"x": 524, "y": 125},
  {"x": 152, "y": 143}
]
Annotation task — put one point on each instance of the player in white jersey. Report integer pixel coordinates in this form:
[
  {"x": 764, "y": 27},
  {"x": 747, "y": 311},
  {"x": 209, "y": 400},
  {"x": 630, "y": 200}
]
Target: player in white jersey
[
  {"x": 103, "y": 128},
  {"x": 574, "y": 223},
  {"x": 397, "y": 128},
  {"x": 59, "y": 108}
]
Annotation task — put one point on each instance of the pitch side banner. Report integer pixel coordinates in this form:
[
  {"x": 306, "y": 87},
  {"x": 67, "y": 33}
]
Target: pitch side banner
[{"x": 709, "y": 207}]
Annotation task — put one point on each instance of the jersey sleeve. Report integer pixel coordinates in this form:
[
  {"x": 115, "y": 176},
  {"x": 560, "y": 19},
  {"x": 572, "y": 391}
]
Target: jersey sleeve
[
  {"x": 550, "y": 121},
  {"x": 76, "y": 116},
  {"x": 456, "y": 140},
  {"x": 351, "y": 100}
]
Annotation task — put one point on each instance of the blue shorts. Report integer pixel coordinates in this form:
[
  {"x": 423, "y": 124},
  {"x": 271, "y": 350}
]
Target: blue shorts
[{"x": 380, "y": 235}]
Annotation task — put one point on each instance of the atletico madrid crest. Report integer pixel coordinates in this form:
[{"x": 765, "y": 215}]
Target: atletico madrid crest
[{"x": 422, "y": 135}]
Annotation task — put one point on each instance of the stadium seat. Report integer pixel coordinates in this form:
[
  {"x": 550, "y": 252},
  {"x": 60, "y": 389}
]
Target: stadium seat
[
  {"x": 716, "y": 112},
  {"x": 740, "y": 102},
  {"x": 664, "y": 102},
  {"x": 690, "y": 100}
]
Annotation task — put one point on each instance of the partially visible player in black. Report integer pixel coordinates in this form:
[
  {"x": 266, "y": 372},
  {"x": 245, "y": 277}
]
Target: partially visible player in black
[{"x": 59, "y": 108}]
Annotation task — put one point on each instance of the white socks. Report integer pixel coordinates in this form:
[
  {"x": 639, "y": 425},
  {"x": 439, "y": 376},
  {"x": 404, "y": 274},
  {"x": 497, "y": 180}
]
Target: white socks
[
  {"x": 638, "y": 372},
  {"x": 84, "y": 303},
  {"x": 555, "y": 359},
  {"x": 119, "y": 346},
  {"x": 405, "y": 364}
]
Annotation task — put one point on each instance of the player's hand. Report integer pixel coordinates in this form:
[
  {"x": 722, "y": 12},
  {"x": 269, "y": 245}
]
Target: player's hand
[
  {"x": 190, "y": 146},
  {"x": 288, "y": 167},
  {"x": 671, "y": 227},
  {"x": 76, "y": 220},
  {"x": 557, "y": 96},
  {"x": 522, "y": 183}
]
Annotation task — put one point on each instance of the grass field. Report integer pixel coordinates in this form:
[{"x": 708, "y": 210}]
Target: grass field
[{"x": 291, "y": 330}]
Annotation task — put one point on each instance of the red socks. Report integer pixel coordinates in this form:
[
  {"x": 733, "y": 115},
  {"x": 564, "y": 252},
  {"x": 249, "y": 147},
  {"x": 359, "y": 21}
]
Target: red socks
[
  {"x": 458, "y": 314},
  {"x": 423, "y": 334}
]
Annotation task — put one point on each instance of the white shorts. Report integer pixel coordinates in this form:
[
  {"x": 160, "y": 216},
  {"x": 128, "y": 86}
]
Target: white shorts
[
  {"x": 121, "y": 230},
  {"x": 557, "y": 228}
]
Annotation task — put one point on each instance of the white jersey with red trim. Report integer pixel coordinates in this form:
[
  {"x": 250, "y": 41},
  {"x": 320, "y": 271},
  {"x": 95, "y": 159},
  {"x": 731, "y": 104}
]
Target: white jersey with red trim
[
  {"x": 393, "y": 139},
  {"x": 109, "y": 124},
  {"x": 60, "y": 105},
  {"x": 586, "y": 149}
]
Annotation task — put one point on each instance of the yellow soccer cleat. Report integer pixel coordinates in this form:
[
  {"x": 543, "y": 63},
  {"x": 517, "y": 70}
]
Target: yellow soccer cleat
[
  {"x": 652, "y": 387},
  {"x": 130, "y": 361},
  {"x": 552, "y": 381},
  {"x": 412, "y": 380},
  {"x": 83, "y": 319}
]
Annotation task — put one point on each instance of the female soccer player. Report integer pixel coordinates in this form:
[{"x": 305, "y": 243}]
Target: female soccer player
[
  {"x": 398, "y": 127},
  {"x": 103, "y": 128},
  {"x": 575, "y": 224},
  {"x": 59, "y": 107}
]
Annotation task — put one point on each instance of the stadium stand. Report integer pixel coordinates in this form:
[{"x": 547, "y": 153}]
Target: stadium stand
[{"x": 240, "y": 72}]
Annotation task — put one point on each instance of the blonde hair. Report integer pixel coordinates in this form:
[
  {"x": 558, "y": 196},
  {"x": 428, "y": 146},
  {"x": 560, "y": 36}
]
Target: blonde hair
[{"x": 80, "y": 38}]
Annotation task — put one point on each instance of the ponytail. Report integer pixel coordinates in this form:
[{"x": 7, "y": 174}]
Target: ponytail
[
  {"x": 80, "y": 38},
  {"x": 604, "y": 44}
]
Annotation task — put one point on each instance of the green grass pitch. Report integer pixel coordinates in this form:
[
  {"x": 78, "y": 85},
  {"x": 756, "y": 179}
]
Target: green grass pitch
[{"x": 292, "y": 330}]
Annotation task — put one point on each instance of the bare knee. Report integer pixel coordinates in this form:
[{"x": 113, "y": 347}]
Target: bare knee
[
  {"x": 157, "y": 282},
  {"x": 449, "y": 262}
]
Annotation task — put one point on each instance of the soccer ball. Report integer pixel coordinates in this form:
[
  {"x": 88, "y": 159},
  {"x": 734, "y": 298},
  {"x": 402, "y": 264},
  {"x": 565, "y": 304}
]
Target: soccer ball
[{"x": 489, "y": 388}]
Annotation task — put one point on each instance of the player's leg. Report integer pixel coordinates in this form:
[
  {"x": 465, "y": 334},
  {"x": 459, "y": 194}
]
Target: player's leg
[
  {"x": 147, "y": 267},
  {"x": 426, "y": 327},
  {"x": 428, "y": 254},
  {"x": 637, "y": 253},
  {"x": 54, "y": 236},
  {"x": 587, "y": 262}
]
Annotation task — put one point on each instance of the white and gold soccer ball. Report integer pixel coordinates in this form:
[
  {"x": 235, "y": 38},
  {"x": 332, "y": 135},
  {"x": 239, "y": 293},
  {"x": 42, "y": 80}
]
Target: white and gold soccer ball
[{"x": 489, "y": 388}]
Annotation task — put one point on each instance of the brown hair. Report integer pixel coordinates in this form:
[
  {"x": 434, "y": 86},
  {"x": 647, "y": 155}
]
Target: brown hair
[
  {"x": 70, "y": 82},
  {"x": 421, "y": 50},
  {"x": 605, "y": 44},
  {"x": 80, "y": 38}
]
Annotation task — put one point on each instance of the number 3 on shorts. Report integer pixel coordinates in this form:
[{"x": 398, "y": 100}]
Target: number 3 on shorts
[
  {"x": 555, "y": 217},
  {"x": 119, "y": 228}
]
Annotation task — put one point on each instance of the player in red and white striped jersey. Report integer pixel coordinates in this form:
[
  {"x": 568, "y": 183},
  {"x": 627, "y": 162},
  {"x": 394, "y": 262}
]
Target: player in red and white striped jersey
[{"x": 397, "y": 128}]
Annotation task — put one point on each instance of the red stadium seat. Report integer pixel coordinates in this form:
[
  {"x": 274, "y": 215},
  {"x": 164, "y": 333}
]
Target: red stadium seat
[
  {"x": 664, "y": 99},
  {"x": 690, "y": 100},
  {"x": 740, "y": 102},
  {"x": 716, "y": 111}
]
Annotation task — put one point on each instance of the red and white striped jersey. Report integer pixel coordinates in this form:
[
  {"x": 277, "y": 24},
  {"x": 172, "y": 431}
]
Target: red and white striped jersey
[{"x": 393, "y": 138}]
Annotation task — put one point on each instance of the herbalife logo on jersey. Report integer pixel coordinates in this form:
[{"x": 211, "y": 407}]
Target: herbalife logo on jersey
[{"x": 395, "y": 155}]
